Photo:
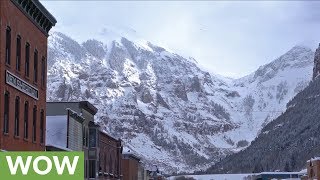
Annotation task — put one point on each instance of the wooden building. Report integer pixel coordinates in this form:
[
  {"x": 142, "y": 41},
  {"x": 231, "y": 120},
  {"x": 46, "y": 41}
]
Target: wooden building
[
  {"x": 64, "y": 131},
  {"x": 24, "y": 27},
  {"x": 313, "y": 169},
  {"x": 109, "y": 157},
  {"x": 78, "y": 131},
  {"x": 130, "y": 166}
]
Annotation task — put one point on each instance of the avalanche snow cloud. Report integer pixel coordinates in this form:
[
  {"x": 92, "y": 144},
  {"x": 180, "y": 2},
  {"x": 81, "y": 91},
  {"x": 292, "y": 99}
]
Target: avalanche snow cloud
[{"x": 163, "y": 106}]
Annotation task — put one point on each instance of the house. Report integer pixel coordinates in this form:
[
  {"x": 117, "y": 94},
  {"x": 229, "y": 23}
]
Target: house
[{"x": 24, "y": 27}]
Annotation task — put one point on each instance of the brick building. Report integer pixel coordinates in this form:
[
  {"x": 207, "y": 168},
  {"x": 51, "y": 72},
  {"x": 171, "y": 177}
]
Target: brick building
[
  {"x": 24, "y": 27},
  {"x": 109, "y": 157}
]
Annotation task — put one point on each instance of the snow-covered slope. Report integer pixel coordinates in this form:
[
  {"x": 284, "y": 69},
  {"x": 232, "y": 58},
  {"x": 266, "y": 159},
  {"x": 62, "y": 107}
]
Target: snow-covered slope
[
  {"x": 265, "y": 93},
  {"x": 163, "y": 106}
]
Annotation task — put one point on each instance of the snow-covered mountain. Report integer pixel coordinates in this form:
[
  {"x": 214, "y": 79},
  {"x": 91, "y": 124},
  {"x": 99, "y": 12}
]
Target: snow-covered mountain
[
  {"x": 286, "y": 143},
  {"x": 163, "y": 106}
]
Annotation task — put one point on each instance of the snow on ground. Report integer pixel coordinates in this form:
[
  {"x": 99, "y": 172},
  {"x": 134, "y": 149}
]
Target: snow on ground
[{"x": 216, "y": 177}]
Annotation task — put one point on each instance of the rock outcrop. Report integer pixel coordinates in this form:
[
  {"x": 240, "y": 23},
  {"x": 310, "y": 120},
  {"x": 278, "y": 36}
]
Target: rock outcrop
[{"x": 316, "y": 69}]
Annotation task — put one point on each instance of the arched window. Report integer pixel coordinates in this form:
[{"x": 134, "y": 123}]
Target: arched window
[
  {"x": 42, "y": 126},
  {"x": 18, "y": 53},
  {"x": 43, "y": 72},
  {"x": 35, "y": 67},
  {"x": 8, "y": 45},
  {"x": 16, "y": 116},
  {"x": 34, "y": 124},
  {"x": 27, "y": 58},
  {"x": 6, "y": 113},
  {"x": 26, "y": 120}
]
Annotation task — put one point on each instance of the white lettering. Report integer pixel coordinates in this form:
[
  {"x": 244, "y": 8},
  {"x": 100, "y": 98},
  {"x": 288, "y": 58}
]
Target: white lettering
[
  {"x": 36, "y": 168},
  {"x": 19, "y": 162},
  {"x": 65, "y": 161}
]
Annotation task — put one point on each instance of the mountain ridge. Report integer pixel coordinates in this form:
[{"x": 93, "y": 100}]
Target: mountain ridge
[
  {"x": 164, "y": 107},
  {"x": 286, "y": 143}
]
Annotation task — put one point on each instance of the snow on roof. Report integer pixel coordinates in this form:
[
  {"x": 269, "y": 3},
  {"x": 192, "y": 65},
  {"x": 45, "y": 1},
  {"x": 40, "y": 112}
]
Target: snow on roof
[
  {"x": 59, "y": 147},
  {"x": 132, "y": 155},
  {"x": 56, "y": 133},
  {"x": 303, "y": 171},
  {"x": 109, "y": 135},
  {"x": 126, "y": 149},
  {"x": 278, "y": 173},
  {"x": 314, "y": 159}
]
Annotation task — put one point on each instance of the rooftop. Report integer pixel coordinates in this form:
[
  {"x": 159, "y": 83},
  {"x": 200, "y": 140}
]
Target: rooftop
[
  {"x": 129, "y": 155},
  {"x": 82, "y": 104}
]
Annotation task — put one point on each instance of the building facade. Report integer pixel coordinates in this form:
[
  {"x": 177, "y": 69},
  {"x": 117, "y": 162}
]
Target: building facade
[
  {"x": 24, "y": 27},
  {"x": 313, "y": 168},
  {"x": 77, "y": 130},
  {"x": 109, "y": 157},
  {"x": 64, "y": 130},
  {"x": 130, "y": 166}
]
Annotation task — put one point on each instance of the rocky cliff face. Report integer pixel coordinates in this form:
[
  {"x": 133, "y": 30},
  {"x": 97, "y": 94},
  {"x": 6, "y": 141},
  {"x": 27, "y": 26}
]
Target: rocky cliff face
[
  {"x": 286, "y": 143},
  {"x": 316, "y": 68},
  {"x": 163, "y": 106}
]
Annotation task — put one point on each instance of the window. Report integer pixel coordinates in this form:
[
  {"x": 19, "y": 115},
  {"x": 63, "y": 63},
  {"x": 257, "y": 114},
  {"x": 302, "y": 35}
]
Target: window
[
  {"x": 43, "y": 72},
  {"x": 34, "y": 124},
  {"x": 87, "y": 136},
  {"x": 83, "y": 135},
  {"x": 6, "y": 113},
  {"x": 26, "y": 119},
  {"x": 92, "y": 137},
  {"x": 42, "y": 126},
  {"x": 110, "y": 164},
  {"x": 92, "y": 168},
  {"x": 86, "y": 169},
  {"x": 35, "y": 66},
  {"x": 8, "y": 45},
  {"x": 27, "y": 63},
  {"x": 18, "y": 53},
  {"x": 105, "y": 162},
  {"x": 16, "y": 116}
]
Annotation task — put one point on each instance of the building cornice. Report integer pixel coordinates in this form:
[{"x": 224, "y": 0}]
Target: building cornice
[
  {"x": 37, "y": 13},
  {"x": 89, "y": 107}
]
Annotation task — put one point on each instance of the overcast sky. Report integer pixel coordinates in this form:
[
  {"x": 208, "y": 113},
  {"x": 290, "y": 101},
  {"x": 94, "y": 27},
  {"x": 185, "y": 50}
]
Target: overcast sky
[{"x": 228, "y": 38}]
